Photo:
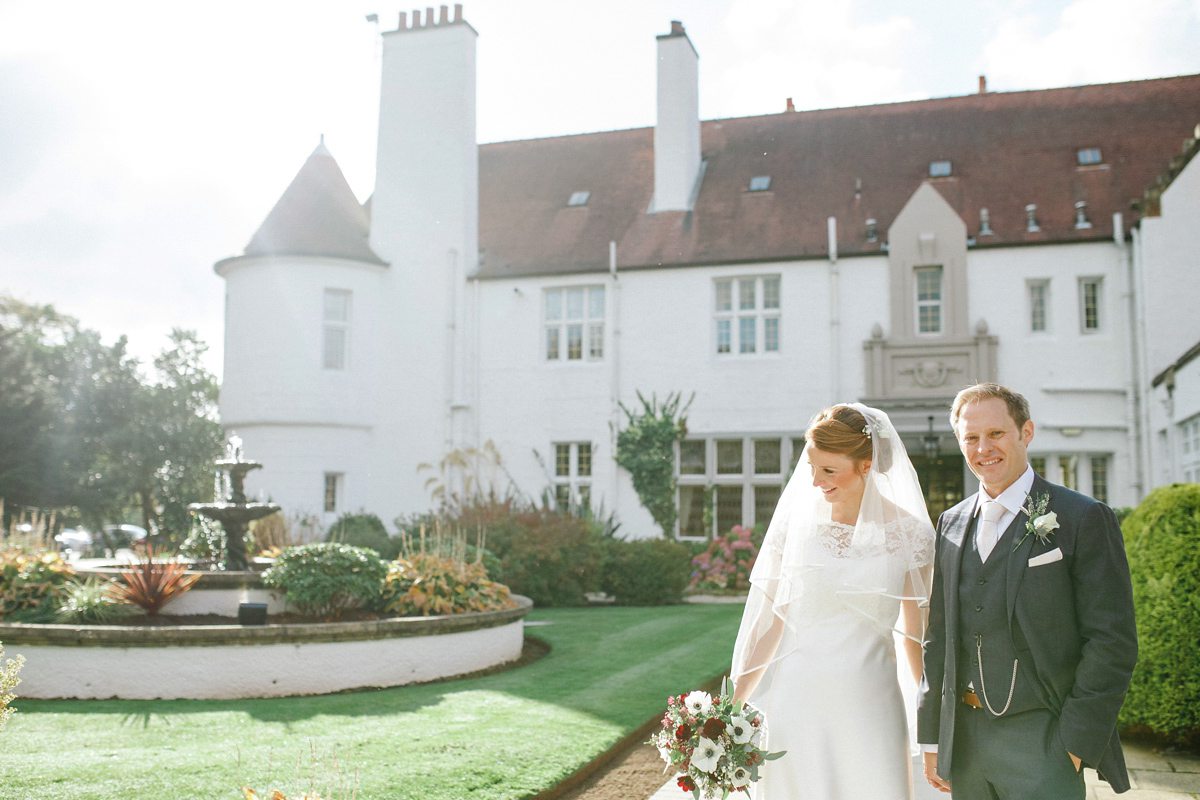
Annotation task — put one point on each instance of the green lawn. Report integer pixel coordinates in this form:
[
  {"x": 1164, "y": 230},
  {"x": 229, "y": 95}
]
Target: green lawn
[{"x": 503, "y": 736}]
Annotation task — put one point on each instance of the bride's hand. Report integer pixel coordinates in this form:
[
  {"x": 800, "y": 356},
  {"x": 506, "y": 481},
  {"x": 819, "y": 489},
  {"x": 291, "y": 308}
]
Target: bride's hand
[{"x": 931, "y": 775}]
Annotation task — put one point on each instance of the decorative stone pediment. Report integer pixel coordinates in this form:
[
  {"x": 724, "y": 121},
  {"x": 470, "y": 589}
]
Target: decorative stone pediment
[{"x": 928, "y": 370}]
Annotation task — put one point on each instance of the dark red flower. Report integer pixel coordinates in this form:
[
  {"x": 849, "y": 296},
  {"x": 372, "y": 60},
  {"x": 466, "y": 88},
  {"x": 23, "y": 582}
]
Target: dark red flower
[
  {"x": 712, "y": 729},
  {"x": 751, "y": 759},
  {"x": 686, "y": 783},
  {"x": 683, "y": 733}
]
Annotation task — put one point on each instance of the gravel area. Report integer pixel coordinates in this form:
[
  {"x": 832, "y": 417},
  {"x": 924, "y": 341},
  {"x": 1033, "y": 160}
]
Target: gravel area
[{"x": 634, "y": 775}]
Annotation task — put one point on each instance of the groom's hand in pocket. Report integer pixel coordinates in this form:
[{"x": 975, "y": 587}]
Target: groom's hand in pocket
[{"x": 931, "y": 775}]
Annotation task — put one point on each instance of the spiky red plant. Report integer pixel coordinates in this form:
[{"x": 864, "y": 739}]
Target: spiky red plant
[{"x": 152, "y": 584}]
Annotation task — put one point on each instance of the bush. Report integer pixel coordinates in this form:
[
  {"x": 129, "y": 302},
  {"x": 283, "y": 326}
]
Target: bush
[
  {"x": 646, "y": 572},
  {"x": 152, "y": 584},
  {"x": 89, "y": 602},
  {"x": 1162, "y": 539},
  {"x": 550, "y": 557},
  {"x": 31, "y": 586},
  {"x": 364, "y": 530},
  {"x": 725, "y": 565},
  {"x": 425, "y": 584},
  {"x": 326, "y": 578},
  {"x": 8, "y": 680}
]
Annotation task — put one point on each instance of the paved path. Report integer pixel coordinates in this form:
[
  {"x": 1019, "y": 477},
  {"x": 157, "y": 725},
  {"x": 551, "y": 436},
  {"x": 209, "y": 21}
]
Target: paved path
[{"x": 1153, "y": 775}]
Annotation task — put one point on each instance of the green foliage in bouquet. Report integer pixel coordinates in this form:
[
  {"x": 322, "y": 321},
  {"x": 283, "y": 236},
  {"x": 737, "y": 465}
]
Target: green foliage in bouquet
[
  {"x": 32, "y": 585},
  {"x": 712, "y": 743},
  {"x": 90, "y": 602},
  {"x": 1162, "y": 539},
  {"x": 8, "y": 681},
  {"x": 646, "y": 449},
  {"x": 424, "y": 583},
  {"x": 326, "y": 578},
  {"x": 364, "y": 530},
  {"x": 727, "y": 562},
  {"x": 646, "y": 572}
]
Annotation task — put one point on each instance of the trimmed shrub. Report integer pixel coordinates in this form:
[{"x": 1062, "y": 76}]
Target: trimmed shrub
[
  {"x": 1162, "y": 539},
  {"x": 726, "y": 563},
  {"x": 646, "y": 572},
  {"x": 32, "y": 586},
  {"x": 364, "y": 530},
  {"x": 326, "y": 578},
  {"x": 551, "y": 558},
  {"x": 425, "y": 584}
]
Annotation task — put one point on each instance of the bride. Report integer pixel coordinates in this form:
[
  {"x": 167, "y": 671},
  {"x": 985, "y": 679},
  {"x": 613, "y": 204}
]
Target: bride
[{"x": 846, "y": 558}]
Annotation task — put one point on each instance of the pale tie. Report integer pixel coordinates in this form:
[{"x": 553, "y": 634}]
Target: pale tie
[{"x": 986, "y": 538}]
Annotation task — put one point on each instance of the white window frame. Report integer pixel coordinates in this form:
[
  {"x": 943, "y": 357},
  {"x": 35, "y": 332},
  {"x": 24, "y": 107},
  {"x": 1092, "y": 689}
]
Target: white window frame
[
  {"x": 744, "y": 481},
  {"x": 1084, "y": 283},
  {"x": 338, "y": 480},
  {"x": 591, "y": 323},
  {"x": 1030, "y": 287},
  {"x": 939, "y": 304},
  {"x": 1189, "y": 449},
  {"x": 729, "y": 321},
  {"x": 331, "y": 325},
  {"x": 576, "y": 481}
]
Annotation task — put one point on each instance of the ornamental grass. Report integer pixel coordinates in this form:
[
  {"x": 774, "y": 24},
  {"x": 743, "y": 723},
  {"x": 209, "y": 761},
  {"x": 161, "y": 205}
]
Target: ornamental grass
[{"x": 152, "y": 584}]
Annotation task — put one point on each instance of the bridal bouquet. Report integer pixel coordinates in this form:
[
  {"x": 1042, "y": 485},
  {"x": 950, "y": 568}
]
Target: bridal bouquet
[{"x": 711, "y": 744}]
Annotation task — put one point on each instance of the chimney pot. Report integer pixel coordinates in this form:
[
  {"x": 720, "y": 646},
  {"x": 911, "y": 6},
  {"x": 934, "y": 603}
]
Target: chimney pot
[
  {"x": 458, "y": 12},
  {"x": 429, "y": 18},
  {"x": 416, "y": 18},
  {"x": 677, "y": 28},
  {"x": 443, "y": 15},
  {"x": 983, "y": 84},
  {"x": 403, "y": 21},
  {"x": 790, "y": 105}
]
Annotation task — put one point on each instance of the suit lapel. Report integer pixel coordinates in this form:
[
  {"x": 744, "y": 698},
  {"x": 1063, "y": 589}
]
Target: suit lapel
[{"x": 956, "y": 536}]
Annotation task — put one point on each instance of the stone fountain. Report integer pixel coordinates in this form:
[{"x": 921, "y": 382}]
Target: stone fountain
[{"x": 233, "y": 512}]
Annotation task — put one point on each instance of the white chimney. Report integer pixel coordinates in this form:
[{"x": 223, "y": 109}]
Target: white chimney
[{"x": 677, "y": 134}]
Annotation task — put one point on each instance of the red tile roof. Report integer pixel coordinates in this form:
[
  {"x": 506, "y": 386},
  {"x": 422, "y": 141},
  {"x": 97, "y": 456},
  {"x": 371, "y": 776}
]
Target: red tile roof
[{"x": 1008, "y": 150}]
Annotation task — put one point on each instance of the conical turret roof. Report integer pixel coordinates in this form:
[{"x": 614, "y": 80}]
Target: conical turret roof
[{"x": 318, "y": 215}]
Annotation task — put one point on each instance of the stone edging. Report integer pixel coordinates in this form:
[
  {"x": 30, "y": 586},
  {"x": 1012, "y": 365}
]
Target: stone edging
[
  {"x": 209, "y": 579},
  {"x": 14, "y": 633}
]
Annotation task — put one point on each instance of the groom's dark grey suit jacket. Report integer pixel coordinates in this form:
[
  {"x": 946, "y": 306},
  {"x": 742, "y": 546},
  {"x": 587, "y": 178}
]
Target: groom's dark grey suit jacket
[{"x": 1071, "y": 623}]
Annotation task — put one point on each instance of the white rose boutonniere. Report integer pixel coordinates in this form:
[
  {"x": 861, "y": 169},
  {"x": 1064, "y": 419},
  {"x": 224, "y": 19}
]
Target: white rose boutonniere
[{"x": 1041, "y": 523}]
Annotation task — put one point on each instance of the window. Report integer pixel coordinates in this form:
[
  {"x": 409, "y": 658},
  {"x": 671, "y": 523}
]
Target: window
[
  {"x": 760, "y": 183},
  {"x": 1088, "y": 156},
  {"x": 691, "y": 457},
  {"x": 572, "y": 475},
  {"x": 574, "y": 324},
  {"x": 940, "y": 169},
  {"x": 741, "y": 477},
  {"x": 691, "y": 511},
  {"x": 1100, "y": 478},
  {"x": 749, "y": 306},
  {"x": 1068, "y": 467},
  {"x": 336, "y": 341},
  {"x": 1039, "y": 464},
  {"x": 766, "y": 456},
  {"x": 332, "y": 479},
  {"x": 929, "y": 299},
  {"x": 578, "y": 198},
  {"x": 1039, "y": 293},
  {"x": 728, "y": 502},
  {"x": 729, "y": 456},
  {"x": 1089, "y": 304},
  {"x": 1189, "y": 449}
]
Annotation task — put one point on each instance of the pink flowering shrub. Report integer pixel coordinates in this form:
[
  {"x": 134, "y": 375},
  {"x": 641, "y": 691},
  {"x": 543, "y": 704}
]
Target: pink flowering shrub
[{"x": 727, "y": 562}]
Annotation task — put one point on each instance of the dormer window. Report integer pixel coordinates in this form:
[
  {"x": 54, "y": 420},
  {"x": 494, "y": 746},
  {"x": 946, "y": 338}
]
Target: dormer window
[
  {"x": 760, "y": 183},
  {"x": 579, "y": 199},
  {"x": 1089, "y": 156},
  {"x": 940, "y": 169}
]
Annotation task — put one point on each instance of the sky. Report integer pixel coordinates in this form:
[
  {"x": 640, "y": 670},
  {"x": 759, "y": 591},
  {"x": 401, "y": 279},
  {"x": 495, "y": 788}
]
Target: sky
[{"x": 141, "y": 142}]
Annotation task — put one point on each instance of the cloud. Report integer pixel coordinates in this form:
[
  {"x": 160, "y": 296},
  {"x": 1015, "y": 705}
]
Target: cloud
[{"x": 1095, "y": 41}]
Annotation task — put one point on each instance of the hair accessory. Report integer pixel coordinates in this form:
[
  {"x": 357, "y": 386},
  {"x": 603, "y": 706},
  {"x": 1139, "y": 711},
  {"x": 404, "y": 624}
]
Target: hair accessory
[{"x": 873, "y": 428}]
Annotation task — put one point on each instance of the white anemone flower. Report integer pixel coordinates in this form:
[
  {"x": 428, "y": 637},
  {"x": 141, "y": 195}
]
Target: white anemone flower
[
  {"x": 697, "y": 703},
  {"x": 739, "y": 777},
  {"x": 740, "y": 730},
  {"x": 706, "y": 755}
]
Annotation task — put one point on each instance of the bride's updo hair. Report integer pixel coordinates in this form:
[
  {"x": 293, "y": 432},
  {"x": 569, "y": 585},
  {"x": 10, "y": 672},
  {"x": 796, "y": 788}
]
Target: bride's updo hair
[{"x": 840, "y": 429}]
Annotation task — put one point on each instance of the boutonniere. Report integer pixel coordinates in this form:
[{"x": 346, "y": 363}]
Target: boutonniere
[{"x": 1041, "y": 523}]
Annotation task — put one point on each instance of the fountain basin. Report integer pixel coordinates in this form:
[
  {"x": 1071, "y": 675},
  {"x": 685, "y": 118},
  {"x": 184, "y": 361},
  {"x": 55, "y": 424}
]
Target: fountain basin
[
  {"x": 216, "y": 592},
  {"x": 233, "y": 661}
]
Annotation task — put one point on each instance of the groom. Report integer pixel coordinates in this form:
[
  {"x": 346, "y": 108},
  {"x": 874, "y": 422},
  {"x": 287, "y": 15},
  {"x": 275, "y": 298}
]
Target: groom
[{"x": 1031, "y": 641}]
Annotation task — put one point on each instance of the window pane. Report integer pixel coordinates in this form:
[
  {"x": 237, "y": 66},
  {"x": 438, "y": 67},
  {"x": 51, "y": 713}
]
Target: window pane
[
  {"x": 1039, "y": 464},
  {"x": 335, "y": 348},
  {"x": 1091, "y": 305},
  {"x": 596, "y": 340},
  {"x": 554, "y": 304},
  {"x": 929, "y": 284},
  {"x": 746, "y": 334},
  {"x": 584, "y": 466},
  {"x": 729, "y": 507},
  {"x": 1037, "y": 306},
  {"x": 574, "y": 303},
  {"x": 331, "y": 491},
  {"x": 691, "y": 457},
  {"x": 1100, "y": 478},
  {"x": 337, "y": 305},
  {"x": 585, "y": 497},
  {"x": 562, "y": 460},
  {"x": 766, "y": 456},
  {"x": 562, "y": 497},
  {"x": 746, "y": 294},
  {"x": 724, "y": 295},
  {"x": 930, "y": 319},
  {"x": 574, "y": 342},
  {"x": 691, "y": 511},
  {"x": 771, "y": 335},
  {"x": 771, "y": 292},
  {"x": 552, "y": 343},
  {"x": 797, "y": 451},
  {"x": 723, "y": 335},
  {"x": 1069, "y": 478},
  {"x": 765, "y": 500},
  {"x": 596, "y": 303},
  {"x": 729, "y": 456}
]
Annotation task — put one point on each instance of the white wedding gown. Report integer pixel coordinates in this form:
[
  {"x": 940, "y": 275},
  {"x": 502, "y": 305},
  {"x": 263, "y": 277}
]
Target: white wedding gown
[{"x": 833, "y": 700}]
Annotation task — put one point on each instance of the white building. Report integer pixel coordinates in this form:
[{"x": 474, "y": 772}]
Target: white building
[{"x": 516, "y": 292}]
